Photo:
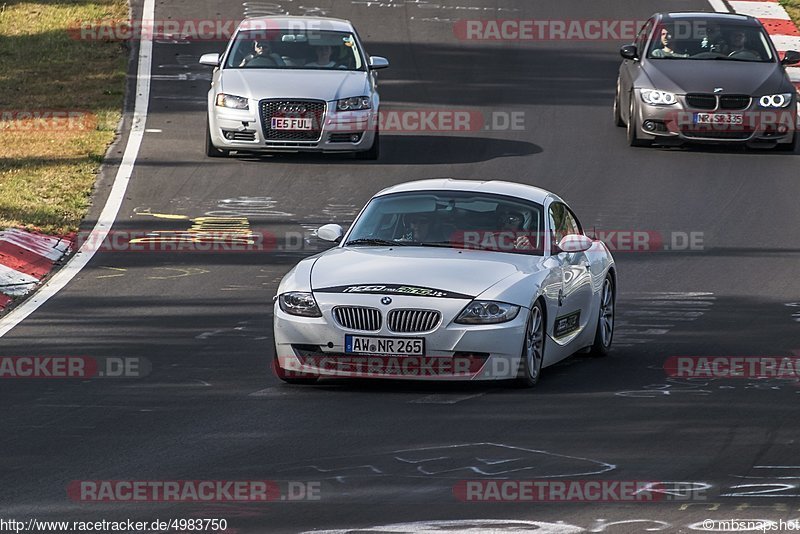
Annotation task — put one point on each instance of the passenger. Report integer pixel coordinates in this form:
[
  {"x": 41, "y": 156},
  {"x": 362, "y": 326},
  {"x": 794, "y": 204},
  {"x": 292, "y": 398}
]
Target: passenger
[{"x": 666, "y": 50}]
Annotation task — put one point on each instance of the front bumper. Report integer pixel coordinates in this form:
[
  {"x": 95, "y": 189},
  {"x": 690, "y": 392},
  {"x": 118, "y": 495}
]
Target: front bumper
[
  {"x": 243, "y": 130},
  {"x": 315, "y": 346},
  {"x": 675, "y": 124}
]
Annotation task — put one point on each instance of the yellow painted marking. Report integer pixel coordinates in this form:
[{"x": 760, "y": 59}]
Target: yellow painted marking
[
  {"x": 161, "y": 215},
  {"x": 204, "y": 230},
  {"x": 182, "y": 273}
]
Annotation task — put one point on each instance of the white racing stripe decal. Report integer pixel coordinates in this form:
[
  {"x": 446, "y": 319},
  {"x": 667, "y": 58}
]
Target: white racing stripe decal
[{"x": 115, "y": 198}]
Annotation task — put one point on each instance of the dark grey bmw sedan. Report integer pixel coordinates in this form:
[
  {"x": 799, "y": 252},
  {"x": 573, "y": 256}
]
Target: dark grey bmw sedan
[{"x": 707, "y": 78}]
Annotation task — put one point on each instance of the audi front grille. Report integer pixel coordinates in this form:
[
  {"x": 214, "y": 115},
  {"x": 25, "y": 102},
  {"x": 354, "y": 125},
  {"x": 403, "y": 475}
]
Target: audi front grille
[{"x": 299, "y": 109}]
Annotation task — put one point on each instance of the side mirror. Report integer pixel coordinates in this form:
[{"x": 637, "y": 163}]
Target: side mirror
[
  {"x": 629, "y": 52},
  {"x": 212, "y": 60},
  {"x": 378, "y": 62},
  {"x": 791, "y": 57},
  {"x": 330, "y": 232},
  {"x": 574, "y": 243}
]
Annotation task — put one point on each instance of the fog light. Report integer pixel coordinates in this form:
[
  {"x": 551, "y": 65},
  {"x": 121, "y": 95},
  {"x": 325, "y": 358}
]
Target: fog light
[
  {"x": 783, "y": 129},
  {"x": 229, "y": 135},
  {"x": 355, "y": 138},
  {"x": 649, "y": 125}
]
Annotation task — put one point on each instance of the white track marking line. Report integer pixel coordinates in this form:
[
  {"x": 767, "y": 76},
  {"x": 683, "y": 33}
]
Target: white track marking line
[
  {"x": 719, "y": 6},
  {"x": 115, "y": 198}
]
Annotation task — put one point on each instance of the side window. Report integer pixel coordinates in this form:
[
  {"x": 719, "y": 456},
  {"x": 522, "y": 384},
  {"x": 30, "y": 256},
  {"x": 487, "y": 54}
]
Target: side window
[
  {"x": 562, "y": 221},
  {"x": 641, "y": 38}
]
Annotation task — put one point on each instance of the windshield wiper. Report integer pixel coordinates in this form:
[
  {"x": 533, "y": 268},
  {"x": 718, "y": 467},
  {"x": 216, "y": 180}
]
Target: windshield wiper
[
  {"x": 440, "y": 244},
  {"x": 375, "y": 242}
]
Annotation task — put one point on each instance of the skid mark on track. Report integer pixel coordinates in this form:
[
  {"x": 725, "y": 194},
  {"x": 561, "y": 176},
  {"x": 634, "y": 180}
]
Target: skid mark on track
[
  {"x": 494, "y": 460},
  {"x": 443, "y": 398},
  {"x": 248, "y": 207},
  {"x": 643, "y": 316}
]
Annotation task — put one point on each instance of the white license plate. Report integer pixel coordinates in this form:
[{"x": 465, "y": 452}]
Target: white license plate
[
  {"x": 719, "y": 118},
  {"x": 290, "y": 123},
  {"x": 394, "y": 346}
]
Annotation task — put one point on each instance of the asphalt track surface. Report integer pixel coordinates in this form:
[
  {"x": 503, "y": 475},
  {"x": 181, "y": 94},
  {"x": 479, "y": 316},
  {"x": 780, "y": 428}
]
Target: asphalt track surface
[{"x": 212, "y": 410}]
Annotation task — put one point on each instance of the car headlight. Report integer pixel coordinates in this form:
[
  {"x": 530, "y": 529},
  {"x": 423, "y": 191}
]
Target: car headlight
[
  {"x": 232, "y": 101},
  {"x": 775, "y": 101},
  {"x": 487, "y": 312},
  {"x": 354, "y": 104},
  {"x": 299, "y": 303},
  {"x": 658, "y": 98}
]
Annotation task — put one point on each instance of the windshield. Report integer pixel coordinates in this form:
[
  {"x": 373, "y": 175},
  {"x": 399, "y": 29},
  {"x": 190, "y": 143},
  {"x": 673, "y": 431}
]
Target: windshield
[
  {"x": 291, "y": 49},
  {"x": 452, "y": 220},
  {"x": 710, "y": 39}
]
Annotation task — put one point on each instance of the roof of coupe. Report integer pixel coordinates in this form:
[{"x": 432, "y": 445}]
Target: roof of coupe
[
  {"x": 733, "y": 17},
  {"x": 496, "y": 187}
]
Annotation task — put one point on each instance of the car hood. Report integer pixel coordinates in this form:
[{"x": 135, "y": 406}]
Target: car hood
[
  {"x": 280, "y": 83},
  {"x": 703, "y": 76},
  {"x": 460, "y": 273}
]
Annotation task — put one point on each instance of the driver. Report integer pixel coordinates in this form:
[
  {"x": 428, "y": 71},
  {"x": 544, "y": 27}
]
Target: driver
[
  {"x": 511, "y": 222},
  {"x": 738, "y": 43},
  {"x": 262, "y": 50},
  {"x": 418, "y": 227},
  {"x": 323, "y": 58}
]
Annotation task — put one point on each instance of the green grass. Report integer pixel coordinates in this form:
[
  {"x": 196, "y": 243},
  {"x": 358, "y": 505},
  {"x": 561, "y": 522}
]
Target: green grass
[
  {"x": 793, "y": 8},
  {"x": 47, "y": 174}
]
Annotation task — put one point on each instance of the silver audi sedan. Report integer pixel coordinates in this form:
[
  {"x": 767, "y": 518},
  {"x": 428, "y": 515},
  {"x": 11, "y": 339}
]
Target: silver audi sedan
[{"x": 294, "y": 84}]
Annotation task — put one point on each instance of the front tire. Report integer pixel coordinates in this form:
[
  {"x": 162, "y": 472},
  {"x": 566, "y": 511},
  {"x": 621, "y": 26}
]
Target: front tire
[
  {"x": 532, "y": 357},
  {"x": 290, "y": 377},
  {"x": 211, "y": 150},
  {"x": 374, "y": 152},
  {"x": 789, "y": 147},
  {"x": 617, "y": 113},
  {"x": 633, "y": 127},
  {"x": 604, "y": 335}
]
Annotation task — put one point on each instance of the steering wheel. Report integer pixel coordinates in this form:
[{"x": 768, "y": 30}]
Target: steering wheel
[
  {"x": 744, "y": 54},
  {"x": 261, "y": 61}
]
